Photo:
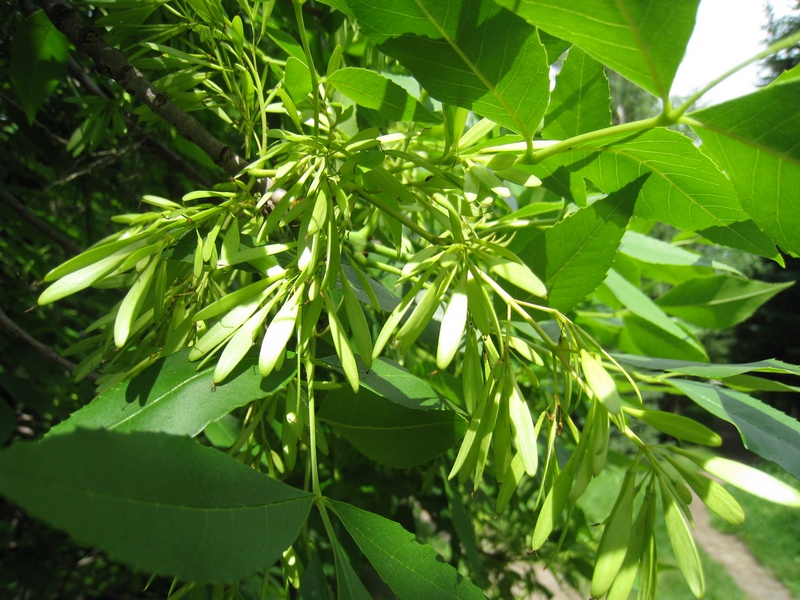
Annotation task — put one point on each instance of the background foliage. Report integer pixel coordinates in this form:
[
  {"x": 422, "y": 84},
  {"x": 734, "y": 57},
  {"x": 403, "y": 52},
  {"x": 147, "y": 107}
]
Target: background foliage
[{"x": 363, "y": 249}]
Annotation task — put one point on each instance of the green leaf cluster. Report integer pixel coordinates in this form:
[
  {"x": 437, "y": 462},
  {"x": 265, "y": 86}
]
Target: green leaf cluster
[{"x": 431, "y": 267}]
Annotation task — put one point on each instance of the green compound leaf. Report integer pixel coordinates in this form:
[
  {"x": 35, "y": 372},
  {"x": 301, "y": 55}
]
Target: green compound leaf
[
  {"x": 39, "y": 55},
  {"x": 686, "y": 189},
  {"x": 573, "y": 256},
  {"x": 754, "y": 139},
  {"x": 580, "y": 101},
  {"x": 643, "y": 41},
  {"x": 699, "y": 369},
  {"x": 718, "y": 301},
  {"x": 158, "y": 502},
  {"x": 414, "y": 571},
  {"x": 642, "y": 306},
  {"x": 373, "y": 90},
  {"x": 171, "y": 396},
  {"x": 389, "y": 380},
  {"x": 388, "y": 433},
  {"x": 768, "y": 432},
  {"x": 471, "y": 54}
]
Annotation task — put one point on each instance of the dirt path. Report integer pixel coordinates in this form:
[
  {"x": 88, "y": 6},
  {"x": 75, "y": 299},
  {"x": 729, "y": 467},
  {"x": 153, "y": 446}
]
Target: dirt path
[{"x": 756, "y": 581}]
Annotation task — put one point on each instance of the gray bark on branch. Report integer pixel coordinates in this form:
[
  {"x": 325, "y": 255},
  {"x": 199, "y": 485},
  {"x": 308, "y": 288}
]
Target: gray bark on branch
[
  {"x": 69, "y": 246},
  {"x": 113, "y": 63},
  {"x": 45, "y": 351}
]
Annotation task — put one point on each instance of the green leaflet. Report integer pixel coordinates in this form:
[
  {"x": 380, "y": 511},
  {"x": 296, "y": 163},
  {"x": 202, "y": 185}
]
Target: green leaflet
[
  {"x": 657, "y": 252},
  {"x": 768, "y": 432},
  {"x": 700, "y": 196},
  {"x": 159, "y": 502},
  {"x": 172, "y": 396},
  {"x": 754, "y": 139},
  {"x": 643, "y": 337},
  {"x": 475, "y": 66},
  {"x": 699, "y": 369},
  {"x": 643, "y": 41},
  {"x": 580, "y": 101},
  {"x": 386, "y": 432},
  {"x": 349, "y": 585},
  {"x": 641, "y": 305},
  {"x": 39, "y": 55},
  {"x": 745, "y": 478},
  {"x": 411, "y": 569},
  {"x": 297, "y": 79},
  {"x": 573, "y": 256},
  {"x": 718, "y": 301},
  {"x": 373, "y": 90},
  {"x": 389, "y": 380}
]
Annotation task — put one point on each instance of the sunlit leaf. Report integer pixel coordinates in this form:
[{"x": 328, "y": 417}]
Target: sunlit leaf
[
  {"x": 389, "y": 433},
  {"x": 172, "y": 396},
  {"x": 411, "y": 569},
  {"x": 754, "y": 139},
  {"x": 766, "y": 431},
  {"x": 162, "y": 503},
  {"x": 643, "y": 41},
  {"x": 474, "y": 66},
  {"x": 573, "y": 256},
  {"x": 718, "y": 301},
  {"x": 39, "y": 55}
]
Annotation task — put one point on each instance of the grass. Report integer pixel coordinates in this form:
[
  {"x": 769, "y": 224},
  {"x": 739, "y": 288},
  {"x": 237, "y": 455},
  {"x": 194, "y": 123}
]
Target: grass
[{"x": 770, "y": 531}]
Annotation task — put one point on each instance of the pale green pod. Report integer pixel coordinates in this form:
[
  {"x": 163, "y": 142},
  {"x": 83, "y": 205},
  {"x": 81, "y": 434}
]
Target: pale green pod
[
  {"x": 713, "y": 495},
  {"x": 678, "y": 426},
  {"x": 227, "y": 326},
  {"x": 121, "y": 247},
  {"x": 342, "y": 345},
  {"x": 554, "y": 503},
  {"x": 278, "y": 333},
  {"x": 422, "y": 313},
  {"x": 467, "y": 453},
  {"x": 511, "y": 479},
  {"x": 454, "y": 322},
  {"x": 480, "y": 307},
  {"x": 395, "y": 317},
  {"x": 616, "y": 536},
  {"x": 132, "y": 303},
  {"x": 600, "y": 382},
  {"x": 680, "y": 538},
  {"x": 240, "y": 343},
  {"x": 82, "y": 278},
  {"x": 211, "y": 239},
  {"x": 599, "y": 439},
  {"x": 471, "y": 374},
  {"x": 623, "y": 583},
  {"x": 358, "y": 322},
  {"x": 522, "y": 425},
  {"x": 234, "y": 299},
  {"x": 749, "y": 479},
  {"x": 230, "y": 244},
  {"x": 517, "y": 274}
]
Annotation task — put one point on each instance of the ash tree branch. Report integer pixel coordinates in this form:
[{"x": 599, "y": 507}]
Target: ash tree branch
[
  {"x": 113, "y": 63},
  {"x": 69, "y": 246},
  {"x": 45, "y": 351}
]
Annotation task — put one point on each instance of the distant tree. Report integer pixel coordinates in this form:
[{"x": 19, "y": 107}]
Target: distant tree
[{"x": 779, "y": 28}]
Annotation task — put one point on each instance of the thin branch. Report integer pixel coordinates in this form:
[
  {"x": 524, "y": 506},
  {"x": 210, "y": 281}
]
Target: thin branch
[
  {"x": 113, "y": 63},
  {"x": 46, "y": 351},
  {"x": 69, "y": 246},
  {"x": 172, "y": 159}
]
